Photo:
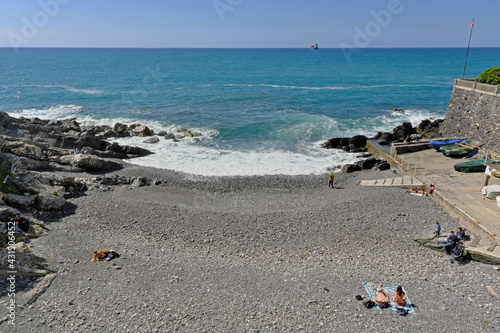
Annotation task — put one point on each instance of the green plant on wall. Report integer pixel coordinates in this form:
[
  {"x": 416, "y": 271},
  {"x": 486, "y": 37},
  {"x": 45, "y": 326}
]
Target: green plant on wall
[{"x": 491, "y": 76}]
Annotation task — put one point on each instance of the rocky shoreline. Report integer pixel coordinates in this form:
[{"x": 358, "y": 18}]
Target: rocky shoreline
[
  {"x": 427, "y": 129},
  {"x": 246, "y": 254}
]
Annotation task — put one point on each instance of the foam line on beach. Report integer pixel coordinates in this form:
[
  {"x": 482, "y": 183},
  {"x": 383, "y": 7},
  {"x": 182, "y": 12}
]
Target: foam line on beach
[{"x": 194, "y": 158}]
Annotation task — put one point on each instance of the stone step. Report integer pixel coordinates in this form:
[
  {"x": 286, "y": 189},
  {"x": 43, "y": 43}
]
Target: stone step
[{"x": 406, "y": 182}]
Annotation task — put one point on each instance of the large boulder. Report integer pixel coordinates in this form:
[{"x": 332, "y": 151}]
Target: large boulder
[
  {"x": 70, "y": 125},
  {"x": 154, "y": 139},
  {"x": 367, "y": 164},
  {"x": 142, "y": 131},
  {"x": 121, "y": 130},
  {"x": 382, "y": 165},
  {"x": 429, "y": 129},
  {"x": 357, "y": 141},
  {"x": 331, "y": 143},
  {"x": 348, "y": 168},
  {"x": 404, "y": 130},
  {"x": 30, "y": 151},
  {"x": 20, "y": 201},
  {"x": 385, "y": 136},
  {"x": 90, "y": 163},
  {"x": 50, "y": 202},
  {"x": 7, "y": 211}
]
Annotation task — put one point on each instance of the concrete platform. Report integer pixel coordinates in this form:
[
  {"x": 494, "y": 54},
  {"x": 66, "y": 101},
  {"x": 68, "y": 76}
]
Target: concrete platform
[
  {"x": 479, "y": 250},
  {"x": 457, "y": 193}
]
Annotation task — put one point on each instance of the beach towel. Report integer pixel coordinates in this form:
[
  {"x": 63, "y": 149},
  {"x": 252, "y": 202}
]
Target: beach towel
[{"x": 391, "y": 291}]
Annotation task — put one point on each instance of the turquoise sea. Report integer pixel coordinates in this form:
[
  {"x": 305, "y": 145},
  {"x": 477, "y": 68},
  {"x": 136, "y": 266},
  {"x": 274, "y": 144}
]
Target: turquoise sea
[{"x": 256, "y": 111}]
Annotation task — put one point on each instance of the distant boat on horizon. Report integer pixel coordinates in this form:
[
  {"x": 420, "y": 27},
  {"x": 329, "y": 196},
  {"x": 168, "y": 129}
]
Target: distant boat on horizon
[{"x": 314, "y": 46}]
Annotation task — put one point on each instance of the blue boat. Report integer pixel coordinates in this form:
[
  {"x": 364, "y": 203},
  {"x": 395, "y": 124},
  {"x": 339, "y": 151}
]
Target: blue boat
[{"x": 438, "y": 144}]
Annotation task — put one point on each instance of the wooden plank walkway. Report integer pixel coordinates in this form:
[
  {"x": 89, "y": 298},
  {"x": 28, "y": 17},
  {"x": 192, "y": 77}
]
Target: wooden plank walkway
[{"x": 406, "y": 182}]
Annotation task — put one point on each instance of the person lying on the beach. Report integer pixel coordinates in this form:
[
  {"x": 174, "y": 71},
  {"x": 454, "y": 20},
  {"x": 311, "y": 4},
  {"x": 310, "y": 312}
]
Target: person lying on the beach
[
  {"x": 382, "y": 300},
  {"x": 400, "y": 297},
  {"x": 105, "y": 255},
  {"x": 416, "y": 192}
]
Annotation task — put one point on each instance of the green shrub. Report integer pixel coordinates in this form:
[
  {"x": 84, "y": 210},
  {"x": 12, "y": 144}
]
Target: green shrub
[
  {"x": 54, "y": 193},
  {"x": 491, "y": 76}
]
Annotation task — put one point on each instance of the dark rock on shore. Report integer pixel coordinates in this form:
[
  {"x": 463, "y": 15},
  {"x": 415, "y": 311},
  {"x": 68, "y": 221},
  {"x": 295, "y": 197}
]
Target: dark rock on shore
[
  {"x": 426, "y": 129},
  {"x": 348, "y": 144},
  {"x": 366, "y": 164},
  {"x": 357, "y": 144}
]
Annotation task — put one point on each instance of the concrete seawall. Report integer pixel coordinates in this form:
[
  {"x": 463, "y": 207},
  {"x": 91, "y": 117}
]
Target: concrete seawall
[{"x": 474, "y": 112}]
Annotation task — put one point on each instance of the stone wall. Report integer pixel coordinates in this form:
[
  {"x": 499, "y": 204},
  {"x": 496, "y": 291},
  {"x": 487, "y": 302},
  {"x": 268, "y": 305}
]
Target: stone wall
[{"x": 474, "y": 115}]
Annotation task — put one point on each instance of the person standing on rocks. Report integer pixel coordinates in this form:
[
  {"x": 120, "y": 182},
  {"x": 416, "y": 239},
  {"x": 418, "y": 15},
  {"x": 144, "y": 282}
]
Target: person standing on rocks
[{"x": 330, "y": 180}]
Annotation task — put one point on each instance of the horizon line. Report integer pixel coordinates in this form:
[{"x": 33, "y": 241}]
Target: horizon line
[{"x": 234, "y": 48}]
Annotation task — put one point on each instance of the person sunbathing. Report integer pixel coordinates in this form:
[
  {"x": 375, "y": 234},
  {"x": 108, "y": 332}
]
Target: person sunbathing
[
  {"x": 382, "y": 300},
  {"x": 400, "y": 297},
  {"x": 105, "y": 255}
]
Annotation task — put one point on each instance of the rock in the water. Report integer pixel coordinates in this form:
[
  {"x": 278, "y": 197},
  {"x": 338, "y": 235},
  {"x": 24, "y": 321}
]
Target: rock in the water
[
  {"x": 121, "y": 130},
  {"x": 154, "y": 139},
  {"x": 397, "y": 110},
  {"x": 404, "y": 130},
  {"x": 357, "y": 141},
  {"x": 142, "y": 130}
]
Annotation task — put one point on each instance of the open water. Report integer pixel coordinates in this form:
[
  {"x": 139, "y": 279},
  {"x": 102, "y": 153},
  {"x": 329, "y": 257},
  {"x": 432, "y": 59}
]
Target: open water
[{"x": 255, "y": 111}]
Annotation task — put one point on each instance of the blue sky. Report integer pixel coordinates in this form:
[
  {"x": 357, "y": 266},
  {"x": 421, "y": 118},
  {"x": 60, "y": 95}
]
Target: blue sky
[{"x": 248, "y": 23}]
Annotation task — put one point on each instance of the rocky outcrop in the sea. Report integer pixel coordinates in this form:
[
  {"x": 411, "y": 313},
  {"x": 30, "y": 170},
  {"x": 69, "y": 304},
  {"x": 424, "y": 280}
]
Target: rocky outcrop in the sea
[
  {"x": 426, "y": 129},
  {"x": 30, "y": 147},
  {"x": 356, "y": 144}
]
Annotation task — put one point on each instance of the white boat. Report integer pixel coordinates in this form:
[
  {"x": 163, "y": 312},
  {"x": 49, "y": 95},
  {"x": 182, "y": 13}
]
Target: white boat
[{"x": 314, "y": 46}]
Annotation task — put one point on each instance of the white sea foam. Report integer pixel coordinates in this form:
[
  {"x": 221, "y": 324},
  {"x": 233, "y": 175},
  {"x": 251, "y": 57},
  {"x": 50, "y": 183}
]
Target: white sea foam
[
  {"x": 370, "y": 126},
  {"x": 336, "y": 87},
  {"x": 197, "y": 159},
  {"x": 73, "y": 89},
  {"x": 53, "y": 112},
  {"x": 90, "y": 91},
  {"x": 205, "y": 158}
]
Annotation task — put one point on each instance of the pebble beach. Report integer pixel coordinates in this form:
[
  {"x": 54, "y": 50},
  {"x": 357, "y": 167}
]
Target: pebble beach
[{"x": 253, "y": 254}]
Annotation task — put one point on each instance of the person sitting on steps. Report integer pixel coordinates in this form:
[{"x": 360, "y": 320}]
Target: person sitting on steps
[
  {"x": 450, "y": 242},
  {"x": 461, "y": 234}
]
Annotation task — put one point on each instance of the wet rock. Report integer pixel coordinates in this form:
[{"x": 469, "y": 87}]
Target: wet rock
[
  {"x": 142, "y": 131},
  {"x": 154, "y": 139}
]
